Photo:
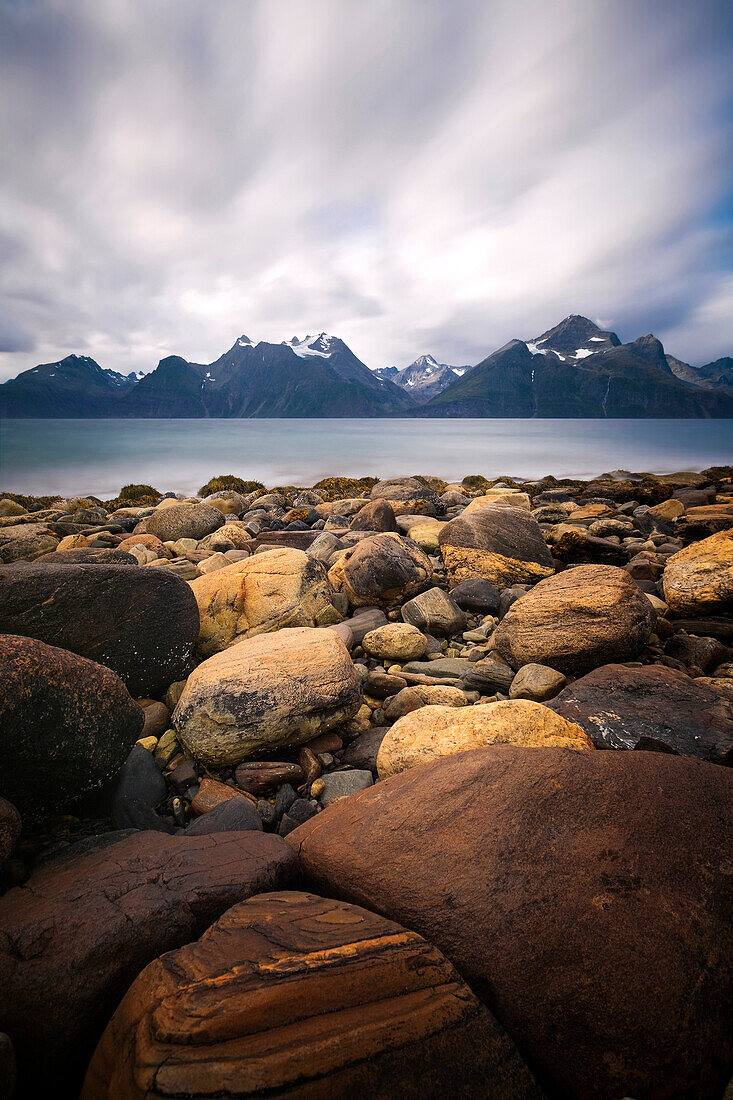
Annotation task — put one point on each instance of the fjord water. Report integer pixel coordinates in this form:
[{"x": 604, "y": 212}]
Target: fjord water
[{"x": 74, "y": 457}]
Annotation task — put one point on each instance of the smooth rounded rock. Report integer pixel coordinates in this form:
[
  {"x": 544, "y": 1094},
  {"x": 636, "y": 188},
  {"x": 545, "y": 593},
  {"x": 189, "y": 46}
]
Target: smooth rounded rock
[
  {"x": 497, "y": 543},
  {"x": 381, "y": 570},
  {"x": 267, "y": 692},
  {"x": 280, "y": 588},
  {"x": 536, "y": 682},
  {"x": 184, "y": 521},
  {"x": 435, "y": 613},
  {"x": 395, "y": 642},
  {"x": 584, "y": 895},
  {"x": 66, "y": 724},
  {"x": 699, "y": 579},
  {"x": 26, "y": 541},
  {"x": 292, "y": 995},
  {"x": 141, "y": 623},
  {"x": 434, "y": 731},
  {"x": 577, "y": 620}
]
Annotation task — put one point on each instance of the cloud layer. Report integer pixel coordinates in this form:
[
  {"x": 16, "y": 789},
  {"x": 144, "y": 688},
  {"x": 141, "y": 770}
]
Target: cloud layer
[{"x": 411, "y": 175}]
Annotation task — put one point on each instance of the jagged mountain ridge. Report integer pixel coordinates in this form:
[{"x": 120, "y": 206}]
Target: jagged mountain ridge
[
  {"x": 560, "y": 374},
  {"x": 424, "y": 378},
  {"x": 575, "y": 369}
]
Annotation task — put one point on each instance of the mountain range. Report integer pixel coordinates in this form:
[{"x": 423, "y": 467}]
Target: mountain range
[{"x": 575, "y": 369}]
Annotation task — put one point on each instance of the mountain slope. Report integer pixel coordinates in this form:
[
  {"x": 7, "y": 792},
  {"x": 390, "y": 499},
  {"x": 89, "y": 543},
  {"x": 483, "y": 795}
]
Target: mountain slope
[
  {"x": 73, "y": 387},
  {"x": 619, "y": 380},
  {"x": 174, "y": 389},
  {"x": 423, "y": 378}
]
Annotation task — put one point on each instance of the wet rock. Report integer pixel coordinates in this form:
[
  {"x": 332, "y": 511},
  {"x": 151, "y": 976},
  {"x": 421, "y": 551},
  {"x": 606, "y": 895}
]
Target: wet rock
[
  {"x": 435, "y": 731},
  {"x": 266, "y": 692},
  {"x": 66, "y": 724},
  {"x": 280, "y": 588},
  {"x": 599, "y": 880},
  {"x": 500, "y": 544},
  {"x": 261, "y": 776},
  {"x": 383, "y": 569},
  {"x": 79, "y": 932},
  {"x": 184, "y": 521},
  {"x": 699, "y": 579},
  {"x": 577, "y": 620},
  {"x": 650, "y": 708},
  {"x": 141, "y": 623},
  {"x": 434, "y": 612},
  {"x": 362, "y": 752},
  {"x": 306, "y": 962}
]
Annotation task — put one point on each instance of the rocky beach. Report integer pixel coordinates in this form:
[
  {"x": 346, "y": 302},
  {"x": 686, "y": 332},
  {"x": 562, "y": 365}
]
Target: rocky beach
[{"x": 400, "y": 787}]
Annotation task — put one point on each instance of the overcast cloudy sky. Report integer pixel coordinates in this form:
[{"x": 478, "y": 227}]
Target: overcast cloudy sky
[{"x": 411, "y": 175}]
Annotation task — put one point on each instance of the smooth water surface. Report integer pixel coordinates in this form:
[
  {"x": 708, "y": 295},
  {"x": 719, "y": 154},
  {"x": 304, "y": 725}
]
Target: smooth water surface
[{"x": 73, "y": 457}]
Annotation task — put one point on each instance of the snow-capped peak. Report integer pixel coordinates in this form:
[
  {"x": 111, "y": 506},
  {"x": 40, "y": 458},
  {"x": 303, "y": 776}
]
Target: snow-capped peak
[
  {"x": 244, "y": 342},
  {"x": 320, "y": 345}
]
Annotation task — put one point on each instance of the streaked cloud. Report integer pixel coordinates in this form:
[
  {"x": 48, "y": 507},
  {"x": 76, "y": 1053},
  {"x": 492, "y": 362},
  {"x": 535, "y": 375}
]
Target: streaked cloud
[{"x": 411, "y": 175}]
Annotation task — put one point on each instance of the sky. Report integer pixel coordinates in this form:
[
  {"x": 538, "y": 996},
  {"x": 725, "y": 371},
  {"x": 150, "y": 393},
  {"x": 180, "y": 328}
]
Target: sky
[{"x": 410, "y": 175}]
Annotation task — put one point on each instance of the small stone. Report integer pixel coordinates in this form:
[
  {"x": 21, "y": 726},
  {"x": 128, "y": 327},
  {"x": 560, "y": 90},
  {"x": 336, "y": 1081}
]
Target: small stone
[
  {"x": 261, "y": 776},
  {"x": 341, "y": 784},
  {"x": 396, "y": 641},
  {"x": 536, "y": 682},
  {"x": 211, "y": 793}
]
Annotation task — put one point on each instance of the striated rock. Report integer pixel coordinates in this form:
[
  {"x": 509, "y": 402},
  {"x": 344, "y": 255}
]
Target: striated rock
[
  {"x": 510, "y": 498},
  {"x": 584, "y": 895},
  {"x": 75, "y": 936},
  {"x": 66, "y": 724},
  {"x": 577, "y": 620},
  {"x": 183, "y": 521},
  {"x": 141, "y": 623},
  {"x": 276, "y": 589},
  {"x": 26, "y": 541},
  {"x": 395, "y": 642},
  {"x": 262, "y": 776},
  {"x": 297, "y": 996},
  {"x": 699, "y": 579},
  {"x": 381, "y": 569},
  {"x": 436, "y": 731},
  {"x": 537, "y": 682},
  {"x": 435, "y": 613},
  {"x": 501, "y": 544},
  {"x": 267, "y": 692},
  {"x": 650, "y": 708},
  {"x": 377, "y": 515}
]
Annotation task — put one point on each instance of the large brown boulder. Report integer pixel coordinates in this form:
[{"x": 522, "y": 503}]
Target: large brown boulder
[
  {"x": 141, "y": 623},
  {"x": 383, "y": 569},
  {"x": 74, "y": 937},
  {"x": 276, "y": 589},
  {"x": 266, "y": 693},
  {"x": 292, "y": 995},
  {"x": 406, "y": 490},
  {"x": 585, "y": 896},
  {"x": 498, "y": 543},
  {"x": 183, "y": 521},
  {"x": 654, "y": 708},
  {"x": 433, "y": 731},
  {"x": 699, "y": 579},
  {"x": 66, "y": 724},
  {"x": 577, "y": 620}
]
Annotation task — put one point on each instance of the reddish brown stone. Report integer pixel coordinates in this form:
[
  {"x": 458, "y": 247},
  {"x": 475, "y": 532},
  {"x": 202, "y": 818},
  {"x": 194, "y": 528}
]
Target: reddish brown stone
[
  {"x": 290, "y": 995},
  {"x": 262, "y": 776},
  {"x": 377, "y": 515},
  {"x": 80, "y": 930},
  {"x": 212, "y": 793},
  {"x": 585, "y": 896}
]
